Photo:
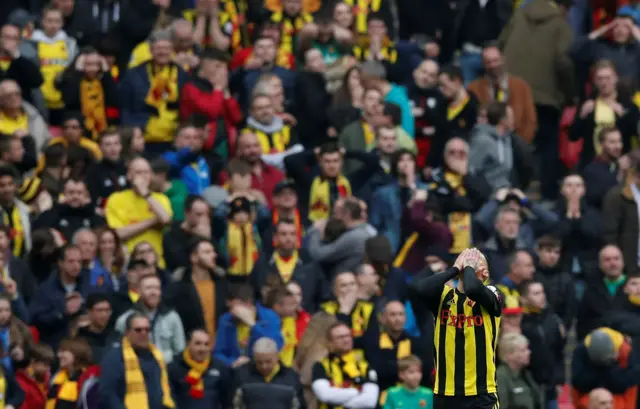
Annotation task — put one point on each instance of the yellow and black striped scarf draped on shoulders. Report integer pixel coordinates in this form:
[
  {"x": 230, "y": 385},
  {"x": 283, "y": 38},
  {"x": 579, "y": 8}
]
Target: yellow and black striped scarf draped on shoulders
[{"x": 465, "y": 340}]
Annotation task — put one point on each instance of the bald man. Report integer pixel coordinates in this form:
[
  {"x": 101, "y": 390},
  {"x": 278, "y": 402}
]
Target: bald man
[
  {"x": 600, "y": 398},
  {"x": 137, "y": 214},
  {"x": 20, "y": 118}
]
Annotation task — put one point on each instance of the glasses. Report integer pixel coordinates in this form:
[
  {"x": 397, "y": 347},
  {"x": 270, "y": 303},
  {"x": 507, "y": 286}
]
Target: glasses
[
  {"x": 141, "y": 330},
  {"x": 457, "y": 152}
]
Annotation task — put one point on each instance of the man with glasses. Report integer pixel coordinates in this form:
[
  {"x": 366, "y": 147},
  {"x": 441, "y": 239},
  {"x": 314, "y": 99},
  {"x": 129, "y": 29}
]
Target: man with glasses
[{"x": 134, "y": 373}]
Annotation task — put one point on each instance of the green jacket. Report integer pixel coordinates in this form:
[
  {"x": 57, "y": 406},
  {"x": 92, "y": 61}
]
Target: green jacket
[
  {"x": 177, "y": 194},
  {"x": 518, "y": 390}
]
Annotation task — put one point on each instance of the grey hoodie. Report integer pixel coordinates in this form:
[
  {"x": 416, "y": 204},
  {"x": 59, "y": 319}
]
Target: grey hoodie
[{"x": 491, "y": 155}]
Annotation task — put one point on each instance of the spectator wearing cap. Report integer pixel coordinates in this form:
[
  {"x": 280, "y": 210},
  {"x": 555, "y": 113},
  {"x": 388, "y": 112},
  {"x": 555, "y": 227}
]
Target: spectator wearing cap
[
  {"x": 604, "y": 360},
  {"x": 174, "y": 189},
  {"x": 14, "y": 213},
  {"x": 498, "y": 85},
  {"x": 459, "y": 192},
  {"x": 97, "y": 331},
  {"x": 516, "y": 386},
  {"x": 496, "y": 153},
  {"x": 535, "y": 220},
  {"x": 198, "y": 380},
  {"x": 285, "y": 207},
  {"x": 540, "y": 322},
  {"x": 60, "y": 299},
  {"x": 240, "y": 245},
  {"x": 287, "y": 263},
  {"x": 388, "y": 202},
  {"x": 259, "y": 175},
  {"x": 423, "y": 221},
  {"x": 136, "y": 213},
  {"x": 20, "y": 118},
  {"x": 620, "y": 223},
  {"x": 14, "y": 65},
  {"x": 557, "y": 280},
  {"x": 609, "y": 108},
  {"x": 607, "y": 169},
  {"x": 199, "y": 289},
  {"x": 87, "y": 87},
  {"x": 151, "y": 94},
  {"x": 604, "y": 288},
  {"x": 108, "y": 175},
  {"x": 207, "y": 94}
]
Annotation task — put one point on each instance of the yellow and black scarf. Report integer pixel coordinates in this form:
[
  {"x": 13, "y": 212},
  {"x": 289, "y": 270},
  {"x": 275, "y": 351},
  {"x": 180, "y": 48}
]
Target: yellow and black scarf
[
  {"x": 235, "y": 15},
  {"x": 342, "y": 371},
  {"x": 289, "y": 28},
  {"x": 361, "y": 9},
  {"x": 242, "y": 248},
  {"x": 299, "y": 227},
  {"x": 388, "y": 51},
  {"x": 459, "y": 222},
  {"x": 93, "y": 106},
  {"x": 136, "y": 390},
  {"x": 62, "y": 387},
  {"x": 275, "y": 142},
  {"x": 286, "y": 265},
  {"x": 16, "y": 233},
  {"x": 320, "y": 196},
  {"x": 359, "y": 316},
  {"x": 194, "y": 376},
  {"x": 289, "y": 331},
  {"x": 162, "y": 99}
]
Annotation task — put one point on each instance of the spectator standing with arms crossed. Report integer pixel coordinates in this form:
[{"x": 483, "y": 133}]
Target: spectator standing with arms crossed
[{"x": 466, "y": 332}]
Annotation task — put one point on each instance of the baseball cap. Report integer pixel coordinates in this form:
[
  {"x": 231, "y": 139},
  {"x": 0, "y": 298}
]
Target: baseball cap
[{"x": 284, "y": 184}]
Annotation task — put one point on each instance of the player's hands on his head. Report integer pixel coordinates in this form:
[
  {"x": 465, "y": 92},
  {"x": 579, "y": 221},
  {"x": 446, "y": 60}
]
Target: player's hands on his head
[
  {"x": 459, "y": 263},
  {"x": 472, "y": 259}
]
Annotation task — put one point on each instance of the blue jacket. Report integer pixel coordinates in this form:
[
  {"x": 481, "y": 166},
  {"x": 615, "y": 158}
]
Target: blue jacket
[
  {"x": 227, "y": 348},
  {"x": 386, "y": 212},
  {"x": 48, "y": 309},
  {"x": 112, "y": 387},
  {"x": 191, "y": 168},
  {"x": 399, "y": 96},
  {"x": 18, "y": 306},
  {"x": 133, "y": 92}
]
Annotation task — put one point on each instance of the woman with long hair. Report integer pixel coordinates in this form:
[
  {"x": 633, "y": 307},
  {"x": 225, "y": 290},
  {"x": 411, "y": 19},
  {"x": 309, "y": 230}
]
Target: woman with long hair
[
  {"x": 76, "y": 367},
  {"x": 45, "y": 244},
  {"x": 15, "y": 337},
  {"x": 347, "y": 101},
  {"x": 310, "y": 350},
  {"x": 108, "y": 266},
  {"x": 132, "y": 140}
]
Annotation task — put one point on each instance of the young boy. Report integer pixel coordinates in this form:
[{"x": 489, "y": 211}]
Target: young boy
[
  {"x": 55, "y": 51},
  {"x": 557, "y": 281},
  {"x": 409, "y": 394}
]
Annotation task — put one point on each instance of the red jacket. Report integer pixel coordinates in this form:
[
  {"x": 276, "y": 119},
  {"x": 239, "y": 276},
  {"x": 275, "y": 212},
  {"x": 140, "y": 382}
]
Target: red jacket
[
  {"x": 198, "y": 97},
  {"x": 302, "y": 320},
  {"x": 34, "y": 396}
]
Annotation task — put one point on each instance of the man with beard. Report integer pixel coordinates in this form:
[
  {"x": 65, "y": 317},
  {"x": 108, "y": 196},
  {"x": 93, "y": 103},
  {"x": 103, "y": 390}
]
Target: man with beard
[
  {"x": 167, "y": 333},
  {"x": 199, "y": 291},
  {"x": 264, "y": 177},
  {"x": 607, "y": 169},
  {"x": 498, "y": 85},
  {"x": 110, "y": 174}
]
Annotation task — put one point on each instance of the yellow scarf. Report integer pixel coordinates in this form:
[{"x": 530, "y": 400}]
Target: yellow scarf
[
  {"x": 388, "y": 52},
  {"x": 286, "y": 267},
  {"x": 603, "y": 116},
  {"x": 5, "y": 63},
  {"x": 273, "y": 373},
  {"x": 272, "y": 143},
  {"x": 404, "y": 251},
  {"x": 136, "y": 391},
  {"x": 404, "y": 346},
  {"x": 243, "y": 333},
  {"x": 454, "y": 110},
  {"x": 134, "y": 296},
  {"x": 17, "y": 230},
  {"x": 359, "y": 316},
  {"x": 289, "y": 329},
  {"x": 194, "y": 376},
  {"x": 361, "y": 10},
  {"x": 369, "y": 135},
  {"x": 56, "y": 387},
  {"x": 3, "y": 390},
  {"x": 459, "y": 222},
  {"x": 320, "y": 200},
  {"x": 290, "y": 28},
  {"x": 9, "y": 125},
  {"x": 162, "y": 98},
  {"x": 93, "y": 108},
  {"x": 235, "y": 16},
  {"x": 342, "y": 370},
  {"x": 241, "y": 248}
]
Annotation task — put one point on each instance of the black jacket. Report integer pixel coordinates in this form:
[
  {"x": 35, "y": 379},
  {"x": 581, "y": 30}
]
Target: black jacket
[
  {"x": 596, "y": 303},
  {"x": 100, "y": 342},
  {"x": 249, "y": 386},
  {"x": 307, "y": 274},
  {"x": 25, "y": 73},
  {"x": 560, "y": 291},
  {"x": 175, "y": 245},
  {"x": 182, "y": 296},
  {"x": 546, "y": 335},
  {"x": 69, "y": 86},
  {"x": 599, "y": 177},
  {"x": 104, "y": 178},
  {"x": 67, "y": 220},
  {"x": 216, "y": 380},
  {"x": 310, "y": 110},
  {"x": 21, "y": 274}
]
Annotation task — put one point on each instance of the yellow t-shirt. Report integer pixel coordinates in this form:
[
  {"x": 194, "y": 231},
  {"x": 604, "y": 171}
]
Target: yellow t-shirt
[
  {"x": 126, "y": 208},
  {"x": 244, "y": 331},
  {"x": 9, "y": 125}
]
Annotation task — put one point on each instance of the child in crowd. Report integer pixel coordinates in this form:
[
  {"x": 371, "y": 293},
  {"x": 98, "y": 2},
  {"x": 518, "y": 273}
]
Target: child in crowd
[
  {"x": 409, "y": 394},
  {"x": 242, "y": 242}
]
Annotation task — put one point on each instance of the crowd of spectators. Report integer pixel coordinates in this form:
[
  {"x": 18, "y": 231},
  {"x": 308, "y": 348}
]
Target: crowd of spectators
[{"x": 216, "y": 204}]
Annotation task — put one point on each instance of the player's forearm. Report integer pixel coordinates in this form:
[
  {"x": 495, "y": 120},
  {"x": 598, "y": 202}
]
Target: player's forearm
[
  {"x": 432, "y": 286},
  {"x": 478, "y": 292}
]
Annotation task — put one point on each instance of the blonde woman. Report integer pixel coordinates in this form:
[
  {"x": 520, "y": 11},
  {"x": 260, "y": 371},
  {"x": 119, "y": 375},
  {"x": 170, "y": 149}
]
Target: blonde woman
[
  {"x": 310, "y": 350},
  {"x": 516, "y": 387}
]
